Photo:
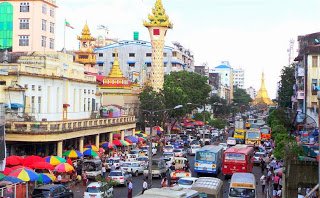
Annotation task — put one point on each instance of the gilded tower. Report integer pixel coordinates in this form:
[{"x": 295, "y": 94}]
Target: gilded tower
[
  {"x": 262, "y": 96},
  {"x": 85, "y": 55},
  {"x": 157, "y": 25}
]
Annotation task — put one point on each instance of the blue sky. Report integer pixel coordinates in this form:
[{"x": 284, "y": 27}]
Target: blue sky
[{"x": 252, "y": 34}]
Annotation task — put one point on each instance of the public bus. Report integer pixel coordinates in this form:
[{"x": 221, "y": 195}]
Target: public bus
[
  {"x": 237, "y": 159},
  {"x": 243, "y": 185},
  {"x": 253, "y": 137},
  {"x": 265, "y": 133},
  {"x": 208, "y": 159}
]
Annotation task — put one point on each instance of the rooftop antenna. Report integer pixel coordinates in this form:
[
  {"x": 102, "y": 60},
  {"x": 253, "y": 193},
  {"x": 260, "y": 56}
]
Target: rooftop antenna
[
  {"x": 105, "y": 28},
  {"x": 290, "y": 51}
]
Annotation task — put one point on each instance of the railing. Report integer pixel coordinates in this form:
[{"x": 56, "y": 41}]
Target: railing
[
  {"x": 15, "y": 190},
  {"x": 65, "y": 126}
]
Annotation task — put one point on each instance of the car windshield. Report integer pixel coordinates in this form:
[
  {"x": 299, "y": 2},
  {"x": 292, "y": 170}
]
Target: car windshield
[
  {"x": 126, "y": 164},
  {"x": 41, "y": 193},
  {"x": 264, "y": 130},
  {"x": 242, "y": 192},
  {"x": 235, "y": 156},
  {"x": 142, "y": 159},
  {"x": 185, "y": 182},
  {"x": 253, "y": 135},
  {"x": 194, "y": 147},
  {"x": 134, "y": 152},
  {"x": 167, "y": 155},
  {"x": 93, "y": 189},
  {"x": 114, "y": 173},
  {"x": 90, "y": 166},
  {"x": 168, "y": 147},
  {"x": 177, "y": 150},
  {"x": 205, "y": 156}
]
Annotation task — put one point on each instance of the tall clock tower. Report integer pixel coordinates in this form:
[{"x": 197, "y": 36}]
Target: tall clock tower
[
  {"x": 157, "y": 25},
  {"x": 85, "y": 54}
]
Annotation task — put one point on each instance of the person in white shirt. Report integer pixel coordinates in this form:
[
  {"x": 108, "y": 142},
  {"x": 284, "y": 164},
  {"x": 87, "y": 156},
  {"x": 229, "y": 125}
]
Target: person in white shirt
[
  {"x": 144, "y": 186},
  {"x": 103, "y": 171},
  {"x": 59, "y": 178},
  {"x": 263, "y": 181},
  {"x": 130, "y": 189}
]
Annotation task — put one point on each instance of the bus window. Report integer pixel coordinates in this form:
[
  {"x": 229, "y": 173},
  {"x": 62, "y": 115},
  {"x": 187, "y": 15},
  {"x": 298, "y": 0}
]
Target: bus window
[
  {"x": 205, "y": 156},
  {"x": 235, "y": 156}
]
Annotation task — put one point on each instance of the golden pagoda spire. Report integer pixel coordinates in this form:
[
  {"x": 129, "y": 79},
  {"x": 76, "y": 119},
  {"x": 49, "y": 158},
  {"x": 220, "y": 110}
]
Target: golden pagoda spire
[
  {"x": 86, "y": 34},
  {"x": 115, "y": 70},
  {"x": 262, "y": 96},
  {"x": 158, "y": 18}
]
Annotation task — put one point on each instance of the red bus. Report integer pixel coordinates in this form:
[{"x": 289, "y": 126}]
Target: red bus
[
  {"x": 265, "y": 133},
  {"x": 237, "y": 159}
]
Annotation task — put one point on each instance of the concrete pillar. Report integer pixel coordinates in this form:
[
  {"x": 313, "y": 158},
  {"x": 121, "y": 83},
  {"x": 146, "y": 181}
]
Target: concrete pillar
[
  {"x": 46, "y": 150},
  {"x": 110, "y": 137},
  {"x": 59, "y": 148},
  {"x": 122, "y": 135},
  {"x": 81, "y": 140},
  {"x": 97, "y": 140},
  {"x": 133, "y": 131}
]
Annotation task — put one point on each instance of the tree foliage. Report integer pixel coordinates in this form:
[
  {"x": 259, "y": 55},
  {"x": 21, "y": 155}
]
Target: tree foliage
[
  {"x": 287, "y": 80},
  {"x": 241, "y": 97},
  {"x": 218, "y": 123}
]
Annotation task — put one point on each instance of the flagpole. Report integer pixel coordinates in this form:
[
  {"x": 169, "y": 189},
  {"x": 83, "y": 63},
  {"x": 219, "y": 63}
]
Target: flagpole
[{"x": 64, "y": 35}]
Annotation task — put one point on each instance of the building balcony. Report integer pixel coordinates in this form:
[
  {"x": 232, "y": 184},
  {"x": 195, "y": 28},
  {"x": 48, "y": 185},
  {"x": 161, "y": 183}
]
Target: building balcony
[
  {"x": 57, "y": 127},
  {"x": 300, "y": 95}
]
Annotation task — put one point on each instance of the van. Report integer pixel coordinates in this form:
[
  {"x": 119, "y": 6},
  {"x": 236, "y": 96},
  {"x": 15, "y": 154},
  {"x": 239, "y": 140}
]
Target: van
[
  {"x": 92, "y": 168},
  {"x": 242, "y": 185},
  {"x": 159, "y": 168},
  {"x": 169, "y": 192}
]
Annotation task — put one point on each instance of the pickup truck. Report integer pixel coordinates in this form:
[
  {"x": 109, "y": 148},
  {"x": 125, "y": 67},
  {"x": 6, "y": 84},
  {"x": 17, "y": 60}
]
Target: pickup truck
[{"x": 134, "y": 168}]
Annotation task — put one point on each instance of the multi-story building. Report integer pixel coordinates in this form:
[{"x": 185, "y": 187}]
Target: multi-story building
[
  {"x": 214, "y": 82},
  {"x": 135, "y": 59},
  {"x": 238, "y": 78},
  {"x": 27, "y": 25},
  {"x": 307, "y": 76},
  {"x": 202, "y": 70},
  {"x": 252, "y": 92}
]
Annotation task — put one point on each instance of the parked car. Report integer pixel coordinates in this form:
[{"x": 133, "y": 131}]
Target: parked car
[
  {"x": 134, "y": 153},
  {"x": 187, "y": 182},
  {"x": 179, "y": 153},
  {"x": 168, "y": 148},
  {"x": 120, "y": 177},
  {"x": 193, "y": 149},
  {"x": 132, "y": 167},
  {"x": 258, "y": 156},
  {"x": 52, "y": 190},
  {"x": 154, "y": 150},
  {"x": 96, "y": 190},
  {"x": 92, "y": 168}
]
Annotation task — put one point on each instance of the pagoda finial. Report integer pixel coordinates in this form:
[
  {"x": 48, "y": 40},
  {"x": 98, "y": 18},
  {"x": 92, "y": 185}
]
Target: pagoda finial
[
  {"x": 86, "y": 34},
  {"x": 262, "y": 96},
  {"x": 158, "y": 18},
  {"x": 115, "y": 70}
]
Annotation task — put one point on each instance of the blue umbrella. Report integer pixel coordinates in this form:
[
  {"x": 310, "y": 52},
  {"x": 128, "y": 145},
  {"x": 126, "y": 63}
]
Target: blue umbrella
[{"x": 12, "y": 179}]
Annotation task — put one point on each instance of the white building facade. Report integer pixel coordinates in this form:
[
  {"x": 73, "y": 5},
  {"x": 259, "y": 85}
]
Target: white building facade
[
  {"x": 238, "y": 78},
  {"x": 252, "y": 92}
]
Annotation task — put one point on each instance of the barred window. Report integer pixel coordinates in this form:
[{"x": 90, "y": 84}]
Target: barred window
[
  {"x": 24, "y": 7},
  {"x": 24, "y": 40},
  {"x": 24, "y": 23}
]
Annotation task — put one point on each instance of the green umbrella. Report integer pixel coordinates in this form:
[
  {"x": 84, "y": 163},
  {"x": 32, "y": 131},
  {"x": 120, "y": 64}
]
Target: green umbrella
[
  {"x": 90, "y": 152},
  {"x": 2, "y": 176}
]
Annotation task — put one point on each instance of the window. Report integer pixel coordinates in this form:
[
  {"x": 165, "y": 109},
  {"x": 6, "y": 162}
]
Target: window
[
  {"x": 84, "y": 104},
  {"x": 24, "y": 40},
  {"x": 43, "y": 41},
  {"x": 44, "y": 25},
  {"x": 44, "y": 8},
  {"x": 26, "y": 86},
  {"x": 24, "y": 24},
  {"x": 174, "y": 54},
  {"x": 113, "y": 54},
  {"x": 148, "y": 64},
  {"x": 100, "y": 64},
  {"x": 3, "y": 82},
  {"x": 51, "y": 12},
  {"x": 100, "y": 54},
  {"x": 51, "y": 27},
  {"x": 131, "y": 64},
  {"x": 24, "y": 7},
  {"x": 314, "y": 61},
  {"x": 85, "y": 91},
  {"x": 314, "y": 106},
  {"x": 314, "y": 86},
  {"x": 89, "y": 101},
  {"x": 32, "y": 103},
  {"x": 89, "y": 91},
  {"x": 51, "y": 43},
  {"x": 148, "y": 54},
  {"x": 33, "y": 87},
  {"x": 164, "y": 54},
  {"x": 156, "y": 32},
  {"x": 39, "y": 104},
  {"x": 92, "y": 92},
  {"x": 39, "y": 88},
  {"x": 132, "y": 54},
  {"x": 165, "y": 64}
]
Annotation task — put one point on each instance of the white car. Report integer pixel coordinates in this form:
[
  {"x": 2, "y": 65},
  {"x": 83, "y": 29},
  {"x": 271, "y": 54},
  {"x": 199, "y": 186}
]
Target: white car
[
  {"x": 120, "y": 177},
  {"x": 179, "y": 153},
  {"x": 187, "y": 182},
  {"x": 231, "y": 141},
  {"x": 94, "y": 189},
  {"x": 224, "y": 145},
  {"x": 154, "y": 150},
  {"x": 134, "y": 153},
  {"x": 168, "y": 149},
  {"x": 132, "y": 167},
  {"x": 143, "y": 160},
  {"x": 168, "y": 154},
  {"x": 115, "y": 161},
  {"x": 193, "y": 149}
]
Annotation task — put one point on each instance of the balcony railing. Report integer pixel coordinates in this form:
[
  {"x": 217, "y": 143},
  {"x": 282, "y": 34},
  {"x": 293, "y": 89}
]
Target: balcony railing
[
  {"x": 300, "y": 95},
  {"x": 65, "y": 126}
]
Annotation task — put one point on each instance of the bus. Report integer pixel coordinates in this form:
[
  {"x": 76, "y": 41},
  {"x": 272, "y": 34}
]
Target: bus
[
  {"x": 169, "y": 192},
  {"x": 208, "y": 187},
  {"x": 265, "y": 133},
  {"x": 240, "y": 135},
  {"x": 253, "y": 137},
  {"x": 208, "y": 159},
  {"x": 243, "y": 185},
  {"x": 237, "y": 159}
]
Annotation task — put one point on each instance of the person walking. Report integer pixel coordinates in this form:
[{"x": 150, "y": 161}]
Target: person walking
[
  {"x": 263, "y": 181},
  {"x": 84, "y": 179},
  {"x": 276, "y": 180},
  {"x": 164, "y": 182},
  {"x": 263, "y": 165},
  {"x": 130, "y": 189},
  {"x": 103, "y": 171},
  {"x": 144, "y": 185}
]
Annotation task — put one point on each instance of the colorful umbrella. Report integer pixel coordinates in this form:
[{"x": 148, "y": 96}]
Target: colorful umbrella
[
  {"x": 42, "y": 165},
  {"x": 125, "y": 143},
  {"x": 69, "y": 161},
  {"x": 54, "y": 160},
  {"x": 1, "y": 176},
  {"x": 12, "y": 179},
  {"x": 101, "y": 150},
  {"x": 140, "y": 139},
  {"x": 46, "y": 178},
  {"x": 28, "y": 161},
  {"x": 116, "y": 135},
  {"x": 7, "y": 171},
  {"x": 14, "y": 160},
  {"x": 24, "y": 174},
  {"x": 19, "y": 166},
  {"x": 64, "y": 168},
  {"x": 93, "y": 147},
  {"x": 158, "y": 128},
  {"x": 90, "y": 152},
  {"x": 72, "y": 154},
  {"x": 128, "y": 140},
  {"x": 108, "y": 145}
]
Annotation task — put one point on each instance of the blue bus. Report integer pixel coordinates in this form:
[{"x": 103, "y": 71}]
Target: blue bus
[{"x": 208, "y": 159}]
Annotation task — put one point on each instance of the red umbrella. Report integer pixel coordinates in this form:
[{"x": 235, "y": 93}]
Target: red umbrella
[
  {"x": 140, "y": 139},
  {"x": 42, "y": 165},
  {"x": 198, "y": 123},
  {"x": 28, "y": 161},
  {"x": 69, "y": 161},
  {"x": 7, "y": 171},
  {"x": 116, "y": 135},
  {"x": 117, "y": 142},
  {"x": 13, "y": 160}
]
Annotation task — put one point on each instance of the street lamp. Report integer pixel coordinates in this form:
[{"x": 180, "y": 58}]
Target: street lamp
[{"x": 150, "y": 142}]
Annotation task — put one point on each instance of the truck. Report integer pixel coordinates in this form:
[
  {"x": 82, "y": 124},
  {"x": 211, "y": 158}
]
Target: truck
[{"x": 180, "y": 170}]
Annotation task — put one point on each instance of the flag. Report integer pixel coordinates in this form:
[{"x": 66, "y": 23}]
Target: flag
[{"x": 68, "y": 24}]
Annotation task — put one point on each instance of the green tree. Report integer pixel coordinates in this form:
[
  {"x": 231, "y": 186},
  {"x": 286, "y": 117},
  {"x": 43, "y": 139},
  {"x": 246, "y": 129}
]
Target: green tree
[
  {"x": 241, "y": 97},
  {"x": 220, "y": 107},
  {"x": 218, "y": 123},
  {"x": 287, "y": 80}
]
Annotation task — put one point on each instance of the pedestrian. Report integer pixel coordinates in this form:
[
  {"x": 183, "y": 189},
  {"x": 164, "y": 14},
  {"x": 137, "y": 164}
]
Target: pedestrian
[
  {"x": 59, "y": 178},
  {"x": 164, "y": 182},
  {"x": 276, "y": 180},
  {"x": 130, "y": 189},
  {"x": 263, "y": 181},
  {"x": 113, "y": 167},
  {"x": 84, "y": 179},
  {"x": 144, "y": 185},
  {"x": 103, "y": 171}
]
